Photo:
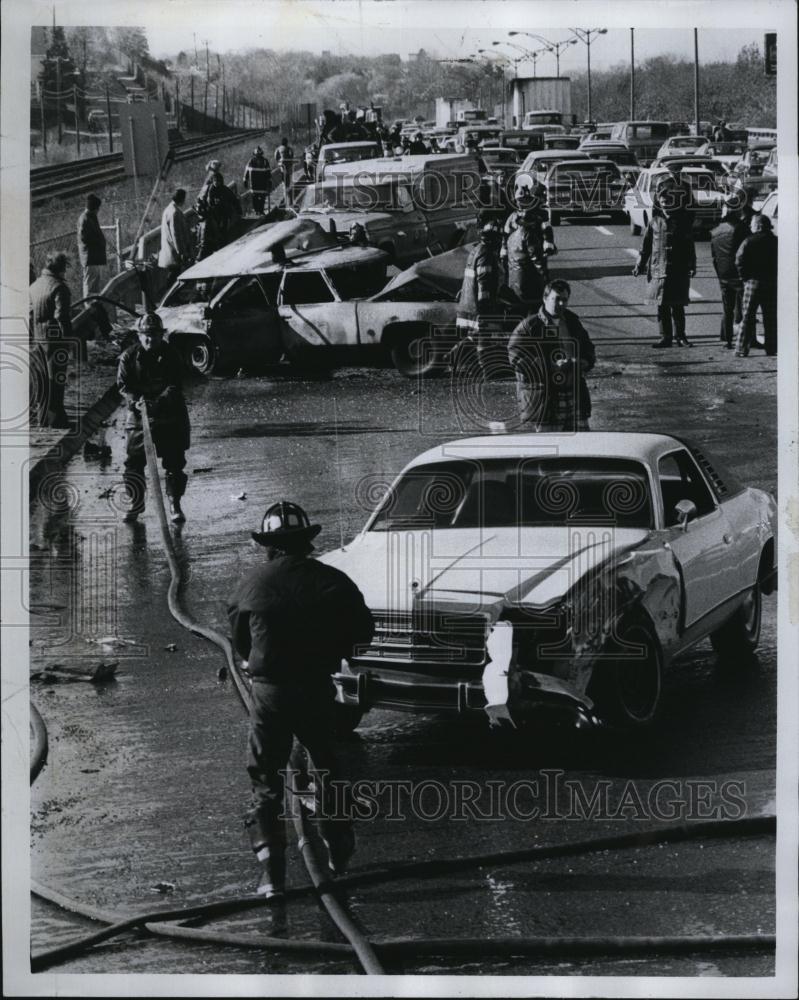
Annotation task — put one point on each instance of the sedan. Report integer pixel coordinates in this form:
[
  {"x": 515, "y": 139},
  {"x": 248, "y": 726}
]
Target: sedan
[
  {"x": 315, "y": 301},
  {"x": 706, "y": 201},
  {"x": 561, "y": 574},
  {"x": 584, "y": 187},
  {"x": 681, "y": 145}
]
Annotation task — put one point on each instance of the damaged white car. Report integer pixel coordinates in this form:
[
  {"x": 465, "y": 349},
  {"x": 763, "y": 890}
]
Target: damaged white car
[{"x": 520, "y": 573}]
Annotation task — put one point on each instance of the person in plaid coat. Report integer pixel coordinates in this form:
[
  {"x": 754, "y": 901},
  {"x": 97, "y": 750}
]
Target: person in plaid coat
[{"x": 756, "y": 262}]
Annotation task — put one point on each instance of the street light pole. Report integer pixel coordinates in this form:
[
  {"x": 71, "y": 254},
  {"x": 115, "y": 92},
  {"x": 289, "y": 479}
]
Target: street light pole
[
  {"x": 632, "y": 74},
  {"x": 553, "y": 47},
  {"x": 584, "y": 35},
  {"x": 696, "y": 79}
]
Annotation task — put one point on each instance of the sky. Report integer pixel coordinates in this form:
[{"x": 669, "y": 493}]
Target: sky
[{"x": 447, "y": 28}]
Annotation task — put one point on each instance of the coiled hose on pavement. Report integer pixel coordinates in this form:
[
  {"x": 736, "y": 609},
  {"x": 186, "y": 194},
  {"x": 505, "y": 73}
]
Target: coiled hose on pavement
[{"x": 365, "y": 951}]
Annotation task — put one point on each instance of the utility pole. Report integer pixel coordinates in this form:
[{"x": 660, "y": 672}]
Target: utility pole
[
  {"x": 77, "y": 119},
  {"x": 696, "y": 79},
  {"x": 192, "y": 99},
  {"x": 632, "y": 74},
  {"x": 58, "y": 96},
  {"x": 110, "y": 126},
  {"x": 44, "y": 121}
]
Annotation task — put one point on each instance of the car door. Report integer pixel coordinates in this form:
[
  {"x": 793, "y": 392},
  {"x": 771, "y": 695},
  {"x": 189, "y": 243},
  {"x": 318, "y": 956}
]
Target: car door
[
  {"x": 704, "y": 547},
  {"x": 244, "y": 325},
  {"x": 312, "y": 314}
]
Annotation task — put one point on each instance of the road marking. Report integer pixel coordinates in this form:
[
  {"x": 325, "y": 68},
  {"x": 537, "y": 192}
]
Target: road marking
[
  {"x": 692, "y": 294},
  {"x": 603, "y": 230}
]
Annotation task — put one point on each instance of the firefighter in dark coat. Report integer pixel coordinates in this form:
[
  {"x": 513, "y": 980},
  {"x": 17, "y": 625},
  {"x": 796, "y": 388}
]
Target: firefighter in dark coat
[
  {"x": 51, "y": 329},
  {"x": 725, "y": 239},
  {"x": 526, "y": 251},
  {"x": 150, "y": 376},
  {"x": 218, "y": 210},
  {"x": 479, "y": 314},
  {"x": 668, "y": 256},
  {"x": 551, "y": 353},
  {"x": 756, "y": 262},
  {"x": 258, "y": 178},
  {"x": 293, "y": 620}
]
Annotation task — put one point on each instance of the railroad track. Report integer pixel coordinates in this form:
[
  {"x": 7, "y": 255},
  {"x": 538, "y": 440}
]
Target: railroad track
[{"x": 63, "y": 180}]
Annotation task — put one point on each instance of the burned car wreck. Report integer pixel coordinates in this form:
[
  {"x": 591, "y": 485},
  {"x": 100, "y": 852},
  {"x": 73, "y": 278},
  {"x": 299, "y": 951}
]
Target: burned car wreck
[
  {"x": 293, "y": 290},
  {"x": 526, "y": 573}
]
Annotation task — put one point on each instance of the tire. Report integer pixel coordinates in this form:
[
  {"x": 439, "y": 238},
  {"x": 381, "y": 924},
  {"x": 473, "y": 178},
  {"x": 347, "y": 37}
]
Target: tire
[
  {"x": 738, "y": 637},
  {"x": 201, "y": 355},
  {"x": 346, "y": 718},
  {"x": 410, "y": 356},
  {"x": 627, "y": 691},
  {"x": 634, "y": 230}
]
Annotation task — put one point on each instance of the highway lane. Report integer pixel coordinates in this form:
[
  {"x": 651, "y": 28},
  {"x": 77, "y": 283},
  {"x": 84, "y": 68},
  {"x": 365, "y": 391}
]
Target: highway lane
[{"x": 146, "y": 781}]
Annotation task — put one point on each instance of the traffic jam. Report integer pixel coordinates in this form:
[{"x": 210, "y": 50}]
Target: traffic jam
[{"x": 442, "y": 487}]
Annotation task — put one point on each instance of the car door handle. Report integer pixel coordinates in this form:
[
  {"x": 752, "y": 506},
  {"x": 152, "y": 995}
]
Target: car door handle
[{"x": 727, "y": 539}]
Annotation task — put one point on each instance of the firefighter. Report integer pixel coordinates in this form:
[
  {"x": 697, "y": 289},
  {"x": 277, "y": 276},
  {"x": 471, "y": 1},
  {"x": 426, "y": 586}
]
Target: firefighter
[
  {"x": 284, "y": 158},
  {"x": 150, "y": 379},
  {"x": 293, "y": 620},
  {"x": 529, "y": 199},
  {"x": 526, "y": 256},
  {"x": 258, "y": 178},
  {"x": 218, "y": 210},
  {"x": 479, "y": 316},
  {"x": 357, "y": 235}
]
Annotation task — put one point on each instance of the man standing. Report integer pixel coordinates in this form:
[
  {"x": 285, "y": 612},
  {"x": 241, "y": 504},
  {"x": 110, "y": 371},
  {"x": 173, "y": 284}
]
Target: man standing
[
  {"x": 258, "y": 178},
  {"x": 175, "y": 253},
  {"x": 218, "y": 210},
  {"x": 150, "y": 378},
  {"x": 551, "y": 353},
  {"x": 669, "y": 257},
  {"x": 479, "y": 319},
  {"x": 51, "y": 329},
  {"x": 91, "y": 246},
  {"x": 293, "y": 620},
  {"x": 284, "y": 158},
  {"x": 724, "y": 242},
  {"x": 756, "y": 262}
]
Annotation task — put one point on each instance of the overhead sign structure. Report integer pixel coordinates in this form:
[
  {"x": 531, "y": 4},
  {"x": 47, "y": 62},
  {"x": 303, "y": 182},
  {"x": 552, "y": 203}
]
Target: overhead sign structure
[
  {"x": 145, "y": 141},
  {"x": 770, "y": 48}
]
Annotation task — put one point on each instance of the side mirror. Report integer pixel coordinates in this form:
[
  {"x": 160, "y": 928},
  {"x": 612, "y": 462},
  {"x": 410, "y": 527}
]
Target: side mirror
[{"x": 686, "y": 511}]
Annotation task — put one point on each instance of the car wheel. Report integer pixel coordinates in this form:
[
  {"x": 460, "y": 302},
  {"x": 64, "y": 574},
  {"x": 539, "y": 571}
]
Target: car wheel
[
  {"x": 201, "y": 355},
  {"x": 634, "y": 230},
  {"x": 626, "y": 691},
  {"x": 412, "y": 353},
  {"x": 346, "y": 718},
  {"x": 739, "y": 636}
]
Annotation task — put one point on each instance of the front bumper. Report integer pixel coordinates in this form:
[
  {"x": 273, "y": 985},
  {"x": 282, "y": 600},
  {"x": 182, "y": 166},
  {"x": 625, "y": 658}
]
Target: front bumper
[{"x": 534, "y": 693}]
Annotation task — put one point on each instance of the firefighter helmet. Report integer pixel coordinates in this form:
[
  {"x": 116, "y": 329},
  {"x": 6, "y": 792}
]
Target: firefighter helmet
[
  {"x": 285, "y": 521},
  {"x": 149, "y": 322}
]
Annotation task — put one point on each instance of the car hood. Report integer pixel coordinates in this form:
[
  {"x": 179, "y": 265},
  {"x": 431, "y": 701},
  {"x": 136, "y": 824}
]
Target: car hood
[
  {"x": 344, "y": 218},
  {"x": 444, "y": 271},
  {"x": 479, "y": 568},
  {"x": 183, "y": 319}
]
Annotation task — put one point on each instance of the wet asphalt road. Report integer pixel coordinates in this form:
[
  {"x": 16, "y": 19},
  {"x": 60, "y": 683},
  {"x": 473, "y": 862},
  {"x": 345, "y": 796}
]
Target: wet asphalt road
[{"x": 146, "y": 784}]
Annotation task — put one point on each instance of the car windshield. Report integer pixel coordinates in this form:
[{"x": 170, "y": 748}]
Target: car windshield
[
  {"x": 518, "y": 492},
  {"x": 685, "y": 141},
  {"x": 361, "y": 197},
  {"x": 543, "y": 119},
  {"x": 348, "y": 155},
  {"x": 623, "y": 157},
  {"x": 563, "y": 171},
  {"x": 199, "y": 291},
  {"x": 500, "y": 155}
]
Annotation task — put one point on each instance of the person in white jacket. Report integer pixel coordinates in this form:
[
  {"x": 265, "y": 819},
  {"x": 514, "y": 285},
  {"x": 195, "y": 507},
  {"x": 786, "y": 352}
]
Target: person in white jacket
[{"x": 176, "y": 252}]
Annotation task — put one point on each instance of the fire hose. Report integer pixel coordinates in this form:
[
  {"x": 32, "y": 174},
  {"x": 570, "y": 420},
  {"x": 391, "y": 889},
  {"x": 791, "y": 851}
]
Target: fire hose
[{"x": 358, "y": 946}]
